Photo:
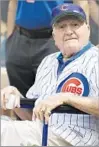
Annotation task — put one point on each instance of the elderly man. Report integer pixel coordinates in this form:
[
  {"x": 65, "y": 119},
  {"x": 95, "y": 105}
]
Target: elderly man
[{"x": 67, "y": 77}]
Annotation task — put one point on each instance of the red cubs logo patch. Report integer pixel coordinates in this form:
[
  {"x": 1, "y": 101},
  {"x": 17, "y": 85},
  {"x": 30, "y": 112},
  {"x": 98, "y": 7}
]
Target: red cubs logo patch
[{"x": 73, "y": 85}]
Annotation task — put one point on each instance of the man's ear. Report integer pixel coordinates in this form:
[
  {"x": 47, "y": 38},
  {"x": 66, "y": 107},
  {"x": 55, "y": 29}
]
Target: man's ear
[
  {"x": 88, "y": 26},
  {"x": 53, "y": 35}
]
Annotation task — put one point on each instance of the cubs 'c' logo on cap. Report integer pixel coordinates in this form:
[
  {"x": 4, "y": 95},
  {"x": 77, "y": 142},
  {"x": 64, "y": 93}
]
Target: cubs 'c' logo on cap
[
  {"x": 75, "y": 83},
  {"x": 64, "y": 7}
]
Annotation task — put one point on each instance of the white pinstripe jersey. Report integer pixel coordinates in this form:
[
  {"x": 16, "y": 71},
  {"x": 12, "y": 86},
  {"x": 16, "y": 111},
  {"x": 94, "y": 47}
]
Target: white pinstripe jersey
[{"x": 78, "y": 129}]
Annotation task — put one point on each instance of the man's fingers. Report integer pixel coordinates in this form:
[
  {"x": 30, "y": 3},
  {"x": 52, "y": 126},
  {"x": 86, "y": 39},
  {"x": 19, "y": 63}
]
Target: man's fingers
[
  {"x": 42, "y": 111},
  {"x": 34, "y": 115},
  {"x": 17, "y": 102},
  {"x": 38, "y": 113},
  {"x": 41, "y": 115},
  {"x": 47, "y": 115}
]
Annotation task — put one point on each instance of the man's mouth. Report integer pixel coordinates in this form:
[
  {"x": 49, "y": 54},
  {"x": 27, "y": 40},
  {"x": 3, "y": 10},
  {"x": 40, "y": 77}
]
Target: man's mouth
[{"x": 70, "y": 39}]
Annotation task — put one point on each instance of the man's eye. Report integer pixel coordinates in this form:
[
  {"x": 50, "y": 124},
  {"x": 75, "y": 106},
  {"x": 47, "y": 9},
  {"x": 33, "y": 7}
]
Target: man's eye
[
  {"x": 62, "y": 26},
  {"x": 75, "y": 24}
]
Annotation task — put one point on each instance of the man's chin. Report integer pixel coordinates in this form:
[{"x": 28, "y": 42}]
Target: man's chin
[
  {"x": 71, "y": 44},
  {"x": 71, "y": 49}
]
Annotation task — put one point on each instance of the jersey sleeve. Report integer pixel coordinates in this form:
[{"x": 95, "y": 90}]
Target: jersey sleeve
[{"x": 34, "y": 91}]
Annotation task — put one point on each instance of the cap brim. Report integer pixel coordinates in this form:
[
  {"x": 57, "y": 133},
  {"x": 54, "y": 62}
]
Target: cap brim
[{"x": 60, "y": 16}]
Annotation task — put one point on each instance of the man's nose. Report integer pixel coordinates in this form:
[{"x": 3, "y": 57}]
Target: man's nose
[{"x": 68, "y": 30}]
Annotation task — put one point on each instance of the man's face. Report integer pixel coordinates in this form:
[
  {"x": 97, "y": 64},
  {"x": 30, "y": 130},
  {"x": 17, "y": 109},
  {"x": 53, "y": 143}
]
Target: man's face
[{"x": 70, "y": 35}]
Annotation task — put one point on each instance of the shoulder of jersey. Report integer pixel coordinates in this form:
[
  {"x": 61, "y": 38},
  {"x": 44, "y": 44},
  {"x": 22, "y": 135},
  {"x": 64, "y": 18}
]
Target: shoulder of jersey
[
  {"x": 52, "y": 56},
  {"x": 94, "y": 51}
]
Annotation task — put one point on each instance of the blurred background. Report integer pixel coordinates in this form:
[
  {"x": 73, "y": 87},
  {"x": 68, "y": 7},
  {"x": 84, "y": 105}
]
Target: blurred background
[{"x": 3, "y": 22}]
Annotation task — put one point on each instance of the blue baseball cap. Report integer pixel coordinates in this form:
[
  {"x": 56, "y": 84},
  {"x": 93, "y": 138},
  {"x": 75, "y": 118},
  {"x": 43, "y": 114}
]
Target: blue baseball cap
[{"x": 68, "y": 10}]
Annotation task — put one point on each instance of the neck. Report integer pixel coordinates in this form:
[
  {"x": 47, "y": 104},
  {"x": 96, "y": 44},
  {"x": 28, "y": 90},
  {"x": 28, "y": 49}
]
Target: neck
[{"x": 65, "y": 57}]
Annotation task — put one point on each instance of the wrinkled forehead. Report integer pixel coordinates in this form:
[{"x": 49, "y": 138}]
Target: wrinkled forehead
[{"x": 69, "y": 18}]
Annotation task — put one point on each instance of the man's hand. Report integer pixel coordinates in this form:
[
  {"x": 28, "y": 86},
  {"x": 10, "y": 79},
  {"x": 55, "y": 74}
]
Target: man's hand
[
  {"x": 10, "y": 98},
  {"x": 44, "y": 108}
]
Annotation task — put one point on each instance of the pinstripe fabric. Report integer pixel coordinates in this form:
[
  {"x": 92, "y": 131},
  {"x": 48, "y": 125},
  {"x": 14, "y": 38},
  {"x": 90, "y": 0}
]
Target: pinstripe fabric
[{"x": 79, "y": 130}]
